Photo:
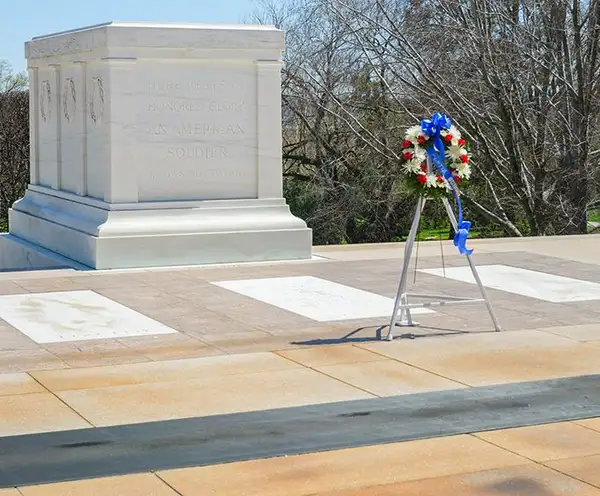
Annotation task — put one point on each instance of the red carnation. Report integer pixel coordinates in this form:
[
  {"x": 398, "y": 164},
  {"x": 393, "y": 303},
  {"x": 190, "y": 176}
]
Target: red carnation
[
  {"x": 407, "y": 155},
  {"x": 440, "y": 178},
  {"x": 422, "y": 178},
  {"x": 421, "y": 140},
  {"x": 464, "y": 159},
  {"x": 448, "y": 138},
  {"x": 456, "y": 178},
  {"x": 424, "y": 167},
  {"x": 461, "y": 142},
  {"x": 406, "y": 144}
]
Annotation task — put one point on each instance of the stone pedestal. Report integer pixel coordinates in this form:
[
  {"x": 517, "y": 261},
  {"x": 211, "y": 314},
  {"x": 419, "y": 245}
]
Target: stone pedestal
[{"x": 157, "y": 145}]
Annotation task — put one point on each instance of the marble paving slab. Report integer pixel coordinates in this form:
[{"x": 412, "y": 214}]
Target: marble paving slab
[
  {"x": 315, "y": 298},
  {"x": 75, "y": 316},
  {"x": 524, "y": 282}
]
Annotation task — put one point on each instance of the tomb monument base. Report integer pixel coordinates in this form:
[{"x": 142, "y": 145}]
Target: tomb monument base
[{"x": 158, "y": 145}]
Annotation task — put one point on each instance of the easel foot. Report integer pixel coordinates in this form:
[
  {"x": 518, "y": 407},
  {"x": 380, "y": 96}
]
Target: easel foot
[
  {"x": 407, "y": 323},
  {"x": 402, "y": 323}
]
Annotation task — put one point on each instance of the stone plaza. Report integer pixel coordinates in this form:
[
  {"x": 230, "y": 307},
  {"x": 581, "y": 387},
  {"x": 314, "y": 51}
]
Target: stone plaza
[{"x": 171, "y": 330}]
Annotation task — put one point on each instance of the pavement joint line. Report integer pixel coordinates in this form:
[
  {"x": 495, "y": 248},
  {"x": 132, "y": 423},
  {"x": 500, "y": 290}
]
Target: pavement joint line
[
  {"x": 157, "y": 475},
  {"x": 422, "y": 369},
  {"x": 53, "y": 393},
  {"x": 571, "y": 475},
  {"x": 540, "y": 463},
  {"x": 337, "y": 379},
  {"x": 217, "y": 439},
  {"x": 576, "y": 422},
  {"x": 548, "y": 330},
  {"x": 503, "y": 448}
]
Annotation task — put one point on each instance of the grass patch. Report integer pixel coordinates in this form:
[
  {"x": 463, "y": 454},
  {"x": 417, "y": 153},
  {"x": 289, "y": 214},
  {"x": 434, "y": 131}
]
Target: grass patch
[
  {"x": 442, "y": 233},
  {"x": 433, "y": 234},
  {"x": 593, "y": 216}
]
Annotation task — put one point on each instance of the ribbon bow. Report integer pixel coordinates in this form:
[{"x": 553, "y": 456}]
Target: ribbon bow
[{"x": 433, "y": 128}]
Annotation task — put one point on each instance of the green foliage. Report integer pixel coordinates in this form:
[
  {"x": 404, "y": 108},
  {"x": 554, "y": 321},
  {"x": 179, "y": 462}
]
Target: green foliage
[
  {"x": 14, "y": 139},
  {"x": 355, "y": 210}
]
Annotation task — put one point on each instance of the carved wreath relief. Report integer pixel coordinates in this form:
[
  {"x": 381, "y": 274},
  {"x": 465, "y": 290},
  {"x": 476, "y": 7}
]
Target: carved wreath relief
[
  {"x": 69, "y": 99},
  {"x": 97, "y": 99},
  {"x": 45, "y": 100}
]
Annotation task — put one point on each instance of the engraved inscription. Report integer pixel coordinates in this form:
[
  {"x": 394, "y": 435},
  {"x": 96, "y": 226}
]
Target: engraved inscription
[
  {"x": 159, "y": 86},
  {"x": 158, "y": 130},
  {"x": 199, "y": 96},
  {"x": 172, "y": 101},
  {"x": 69, "y": 99},
  {"x": 194, "y": 129},
  {"x": 200, "y": 106},
  {"x": 196, "y": 174},
  {"x": 200, "y": 129},
  {"x": 197, "y": 152},
  {"x": 45, "y": 100}
]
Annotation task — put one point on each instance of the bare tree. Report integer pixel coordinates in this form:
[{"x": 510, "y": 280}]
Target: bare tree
[
  {"x": 520, "y": 77},
  {"x": 339, "y": 165},
  {"x": 14, "y": 139}
]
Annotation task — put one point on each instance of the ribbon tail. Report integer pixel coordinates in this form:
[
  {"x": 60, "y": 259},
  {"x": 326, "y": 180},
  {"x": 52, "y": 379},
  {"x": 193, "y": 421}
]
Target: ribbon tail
[
  {"x": 460, "y": 239},
  {"x": 464, "y": 226},
  {"x": 437, "y": 155}
]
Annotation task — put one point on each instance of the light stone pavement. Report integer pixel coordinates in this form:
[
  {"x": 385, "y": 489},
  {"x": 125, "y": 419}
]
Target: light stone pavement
[{"x": 235, "y": 354}]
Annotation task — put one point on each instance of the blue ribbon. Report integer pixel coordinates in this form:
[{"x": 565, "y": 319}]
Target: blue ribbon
[{"x": 433, "y": 128}]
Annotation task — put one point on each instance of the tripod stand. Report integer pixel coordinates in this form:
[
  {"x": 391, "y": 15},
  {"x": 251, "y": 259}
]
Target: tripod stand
[{"x": 401, "y": 303}]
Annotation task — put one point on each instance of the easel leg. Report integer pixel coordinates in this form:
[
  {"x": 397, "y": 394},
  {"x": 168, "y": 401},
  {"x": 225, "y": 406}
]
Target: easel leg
[
  {"x": 401, "y": 294},
  {"x": 482, "y": 289}
]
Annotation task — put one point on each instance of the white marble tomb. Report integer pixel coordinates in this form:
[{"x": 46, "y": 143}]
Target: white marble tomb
[{"x": 157, "y": 145}]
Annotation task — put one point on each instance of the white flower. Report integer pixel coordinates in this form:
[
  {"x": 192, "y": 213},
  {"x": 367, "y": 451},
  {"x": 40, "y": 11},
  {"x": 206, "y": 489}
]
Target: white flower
[
  {"x": 413, "y": 166},
  {"x": 456, "y": 152},
  {"x": 420, "y": 153},
  {"x": 464, "y": 171},
  {"x": 441, "y": 184},
  {"x": 454, "y": 132},
  {"x": 432, "y": 181},
  {"x": 412, "y": 133}
]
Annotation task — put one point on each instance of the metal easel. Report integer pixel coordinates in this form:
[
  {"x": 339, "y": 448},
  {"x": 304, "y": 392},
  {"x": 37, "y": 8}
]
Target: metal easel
[{"x": 401, "y": 303}]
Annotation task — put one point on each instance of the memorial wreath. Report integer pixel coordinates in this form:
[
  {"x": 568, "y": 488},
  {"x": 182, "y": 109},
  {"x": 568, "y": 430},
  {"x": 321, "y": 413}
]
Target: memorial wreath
[
  {"x": 417, "y": 141},
  {"x": 435, "y": 159}
]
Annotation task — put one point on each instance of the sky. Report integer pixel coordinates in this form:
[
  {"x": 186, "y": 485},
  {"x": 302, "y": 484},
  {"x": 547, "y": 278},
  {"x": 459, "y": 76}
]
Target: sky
[{"x": 21, "y": 20}]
